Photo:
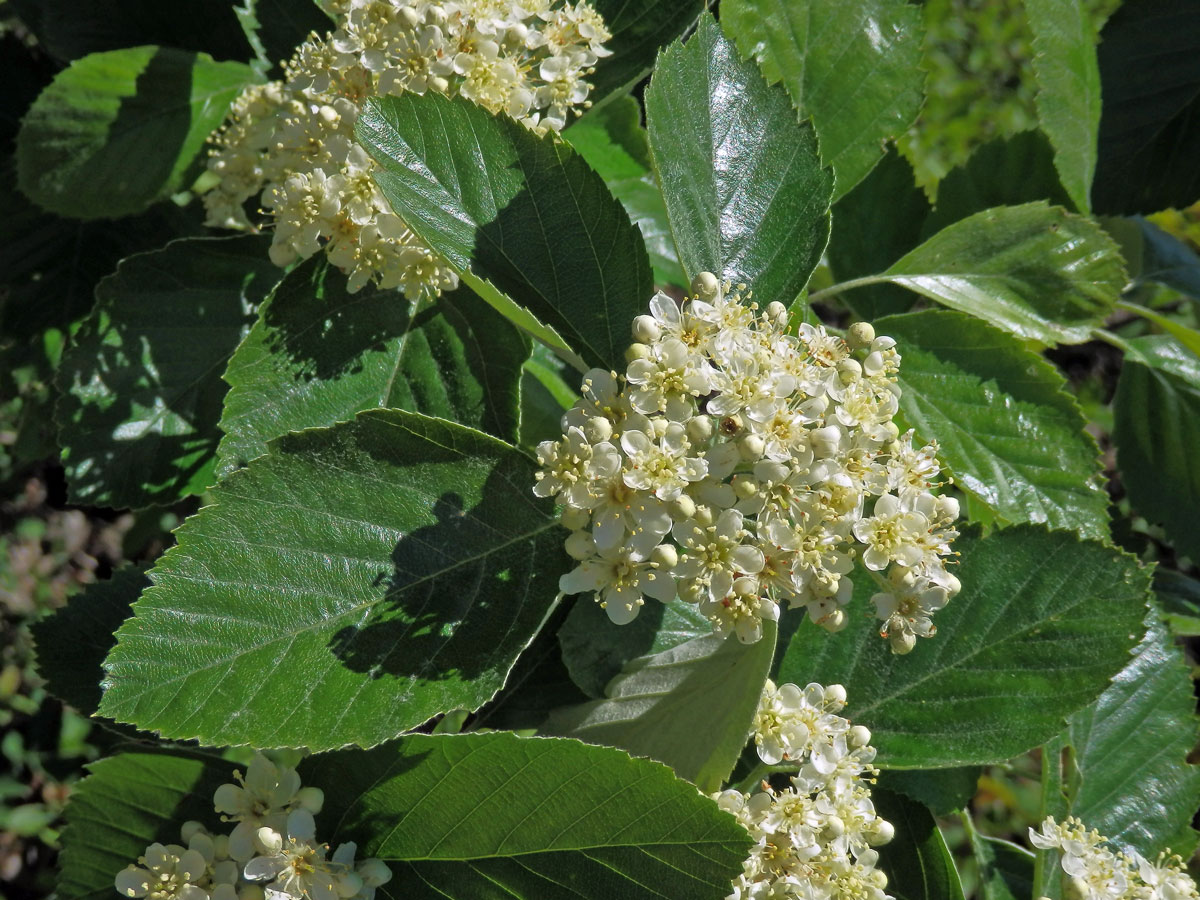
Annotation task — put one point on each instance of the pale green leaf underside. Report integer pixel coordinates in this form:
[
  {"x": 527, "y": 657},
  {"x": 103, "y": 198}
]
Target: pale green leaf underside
[
  {"x": 853, "y": 65},
  {"x": 690, "y": 706},
  {"x": 746, "y": 194},
  {"x": 346, "y": 587},
  {"x": 523, "y": 213},
  {"x": 1068, "y": 90},
  {"x": 1034, "y": 270},
  {"x": 317, "y": 355},
  {"x": 480, "y": 816},
  {"x": 1005, "y": 427},
  {"x": 1042, "y": 622}
]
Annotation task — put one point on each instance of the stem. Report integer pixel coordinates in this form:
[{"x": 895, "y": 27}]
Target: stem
[
  {"x": 1108, "y": 337},
  {"x": 835, "y": 289},
  {"x": 758, "y": 773}
]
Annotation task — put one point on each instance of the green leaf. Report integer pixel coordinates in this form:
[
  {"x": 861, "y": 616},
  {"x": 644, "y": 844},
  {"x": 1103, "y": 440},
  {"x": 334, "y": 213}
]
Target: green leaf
[
  {"x": 595, "y": 650},
  {"x": 69, "y": 29},
  {"x": 690, "y": 706},
  {"x": 483, "y": 816},
  {"x": 613, "y": 142},
  {"x": 1068, "y": 96},
  {"x": 638, "y": 30},
  {"x": 1035, "y": 270},
  {"x": 519, "y": 216},
  {"x": 1005, "y": 869},
  {"x": 1044, "y": 614},
  {"x": 1157, "y": 413},
  {"x": 1131, "y": 747},
  {"x": 1150, "y": 123},
  {"x": 73, "y": 640},
  {"x": 344, "y": 588},
  {"x": 128, "y": 802},
  {"x": 1006, "y": 171},
  {"x": 853, "y": 65},
  {"x": 116, "y": 131},
  {"x": 917, "y": 862},
  {"x": 317, "y": 355},
  {"x": 746, "y": 194},
  {"x": 141, "y": 385},
  {"x": 1179, "y": 597},
  {"x": 1006, "y": 428},
  {"x": 1164, "y": 258},
  {"x": 874, "y": 225},
  {"x": 545, "y": 396},
  {"x": 942, "y": 790}
]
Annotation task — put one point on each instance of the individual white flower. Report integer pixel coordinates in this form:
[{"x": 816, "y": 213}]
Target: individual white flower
[
  {"x": 620, "y": 576},
  {"x": 264, "y": 796},
  {"x": 294, "y": 865},
  {"x": 166, "y": 872},
  {"x": 768, "y": 461}
]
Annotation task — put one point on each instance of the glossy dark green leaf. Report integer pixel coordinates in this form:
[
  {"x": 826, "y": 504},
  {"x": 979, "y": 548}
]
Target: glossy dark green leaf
[
  {"x": 1006, "y": 428},
  {"x": 941, "y": 790},
  {"x": 690, "y": 706},
  {"x": 1035, "y": 270},
  {"x": 1043, "y": 615},
  {"x": 1157, "y": 410},
  {"x": 1006, "y": 171},
  {"x": 141, "y": 385},
  {"x": 116, "y": 131},
  {"x": 342, "y": 589},
  {"x": 873, "y": 226},
  {"x": 917, "y": 862},
  {"x": 639, "y": 28},
  {"x": 127, "y": 802},
  {"x": 746, "y": 194},
  {"x": 1068, "y": 89},
  {"x": 1150, "y": 122},
  {"x": 614, "y": 143},
  {"x": 853, "y": 65},
  {"x": 521, "y": 217},
  {"x": 595, "y": 650},
  {"x": 483, "y": 816},
  {"x": 317, "y": 355},
  {"x": 1158, "y": 256},
  {"x": 1131, "y": 746},
  {"x": 69, "y": 29},
  {"x": 73, "y": 640}
]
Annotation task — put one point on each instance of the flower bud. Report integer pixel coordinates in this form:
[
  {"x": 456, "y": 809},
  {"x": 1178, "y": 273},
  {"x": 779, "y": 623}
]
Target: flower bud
[
  {"x": 751, "y": 447},
  {"x": 947, "y": 507},
  {"x": 703, "y": 516},
  {"x": 849, "y": 370},
  {"x": 835, "y": 696},
  {"x": 902, "y": 642},
  {"x": 646, "y": 330},
  {"x": 859, "y": 736},
  {"x": 825, "y": 441},
  {"x": 860, "y": 335},
  {"x": 597, "y": 429},
  {"x": 682, "y": 507},
  {"x": 665, "y": 556},
  {"x": 706, "y": 286},
  {"x": 575, "y": 519},
  {"x": 311, "y": 798},
  {"x": 777, "y": 313},
  {"x": 699, "y": 429},
  {"x": 637, "y": 351},
  {"x": 580, "y": 545},
  {"x": 882, "y": 832}
]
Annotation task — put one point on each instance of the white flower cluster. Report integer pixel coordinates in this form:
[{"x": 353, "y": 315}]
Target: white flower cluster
[
  {"x": 738, "y": 466},
  {"x": 292, "y": 142},
  {"x": 271, "y": 853},
  {"x": 814, "y": 839},
  {"x": 1099, "y": 873}
]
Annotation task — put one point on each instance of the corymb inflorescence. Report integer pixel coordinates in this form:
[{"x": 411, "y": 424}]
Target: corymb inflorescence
[
  {"x": 739, "y": 466},
  {"x": 291, "y": 143}
]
